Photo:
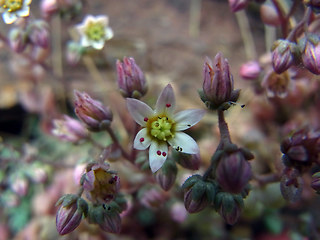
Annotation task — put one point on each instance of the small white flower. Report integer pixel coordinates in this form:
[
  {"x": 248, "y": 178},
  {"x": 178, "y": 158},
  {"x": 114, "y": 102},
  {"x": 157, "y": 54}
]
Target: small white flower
[
  {"x": 14, "y": 9},
  {"x": 94, "y": 31},
  {"x": 162, "y": 127}
]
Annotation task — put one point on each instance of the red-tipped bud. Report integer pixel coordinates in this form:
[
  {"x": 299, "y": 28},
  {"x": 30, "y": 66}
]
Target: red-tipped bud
[
  {"x": 284, "y": 53},
  {"x": 17, "y": 40},
  {"x": 250, "y": 70},
  {"x": 92, "y": 112},
  {"x": 166, "y": 176},
  {"x": 131, "y": 80},
  {"x": 218, "y": 81},
  {"x": 100, "y": 184},
  {"x": 237, "y": 5},
  {"x": 233, "y": 172},
  {"x": 38, "y": 33},
  {"x": 69, "y": 129},
  {"x": 310, "y": 48},
  {"x": 70, "y": 213}
]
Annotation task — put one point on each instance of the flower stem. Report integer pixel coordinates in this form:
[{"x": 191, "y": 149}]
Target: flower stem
[{"x": 223, "y": 128}]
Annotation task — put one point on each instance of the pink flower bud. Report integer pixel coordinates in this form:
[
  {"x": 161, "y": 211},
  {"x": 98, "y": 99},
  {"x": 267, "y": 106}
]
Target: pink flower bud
[
  {"x": 17, "y": 40},
  {"x": 283, "y": 55},
  {"x": 106, "y": 216},
  {"x": 250, "y": 70},
  {"x": 315, "y": 184},
  {"x": 131, "y": 80},
  {"x": 192, "y": 204},
  {"x": 152, "y": 197},
  {"x": 311, "y": 53},
  {"x": 111, "y": 222},
  {"x": 229, "y": 206},
  {"x": 269, "y": 15},
  {"x": 70, "y": 213},
  {"x": 20, "y": 186},
  {"x": 218, "y": 81},
  {"x": 189, "y": 161},
  {"x": 166, "y": 176},
  {"x": 237, "y": 5},
  {"x": 178, "y": 212},
  {"x": 69, "y": 129},
  {"x": 48, "y": 7},
  {"x": 91, "y": 112},
  {"x": 38, "y": 32},
  {"x": 100, "y": 184},
  {"x": 74, "y": 52},
  {"x": 233, "y": 172}
]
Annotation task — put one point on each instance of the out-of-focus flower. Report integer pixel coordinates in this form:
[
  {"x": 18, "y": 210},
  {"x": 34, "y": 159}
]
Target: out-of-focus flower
[
  {"x": 218, "y": 82},
  {"x": 17, "y": 39},
  {"x": 276, "y": 85},
  {"x": 316, "y": 182},
  {"x": 166, "y": 176},
  {"x": 314, "y": 4},
  {"x": 131, "y": 80},
  {"x": 48, "y": 7},
  {"x": 269, "y": 14},
  {"x": 78, "y": 171},
  {"x": 178, "y": 212},
  {"x": 161, "y": 127},
  {"x": 92, "y": 112},
  {"x": 233, "y": 172},
  {"x": 38, "y": 33},
  {"x": 74, "y": 52},
  {"x": 69, "y": 129},
  {"x": 301, "y": 149},
  {"x": 70, "y": 213},
  {"x": 229, "y": 206},
  {"x": 284, "y": 54},
  {"x": 310, "y": 48},
  {"x": 20, "y": 186},
  {"x": 94, "y": 31},
  {"x": 152, "y": 198},
  {"x": 291, "y": 184},
  {"x": 14, "y": 9},
  {"x": 237, "y": 5},
  {"x": 100, "y": 184},
  {"x": 250, "y": 70}
]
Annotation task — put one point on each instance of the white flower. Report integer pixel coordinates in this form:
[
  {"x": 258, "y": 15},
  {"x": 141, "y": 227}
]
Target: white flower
[
  {"x": 13, "y": 9},
  {"x": 94, "y": 31},
  {"x": 162, "y": 127}
]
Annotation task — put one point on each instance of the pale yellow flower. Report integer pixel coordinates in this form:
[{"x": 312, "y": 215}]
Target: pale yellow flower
[{"x": 14, "y": 9}]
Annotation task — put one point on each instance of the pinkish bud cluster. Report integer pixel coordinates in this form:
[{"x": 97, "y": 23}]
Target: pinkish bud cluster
[
  {"x": 92, "y": 112},
  {"x": 38, "y": 31},
  {"x": 131, "y": 80},
  {"x": 217, "y": 83},
  {"x": 310, "y": 49}
]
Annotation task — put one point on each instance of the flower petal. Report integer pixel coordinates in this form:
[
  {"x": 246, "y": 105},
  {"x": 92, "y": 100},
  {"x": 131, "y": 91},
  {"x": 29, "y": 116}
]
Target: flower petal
[
  {"x": 109, "y": 33},
  {"x": 85, "y": 42},
  {"x": 187, "y": 118},
  {"x": 9, "y": 18},
  {"x": 102, "y": 19},
  {"x": 139, "y": 111},
  {"x": 98, "y": 44},
  {"x": 166, "y": 102},
  {"x": 24, "y": 11},
  {"x": 142, "y": 141},
  {"x": 184, "y": 143},
  {"x": 157, "y": 155}
]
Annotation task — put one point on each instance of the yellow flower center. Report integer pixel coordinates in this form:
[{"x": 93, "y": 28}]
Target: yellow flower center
[
  {"x": 95, "y": 31},
  {"x": 161, "y": 128},
  {"x": 13, "y": 5}
]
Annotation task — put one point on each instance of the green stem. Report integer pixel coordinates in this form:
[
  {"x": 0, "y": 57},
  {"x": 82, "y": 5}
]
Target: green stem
[{"x": 223, "y": 128}]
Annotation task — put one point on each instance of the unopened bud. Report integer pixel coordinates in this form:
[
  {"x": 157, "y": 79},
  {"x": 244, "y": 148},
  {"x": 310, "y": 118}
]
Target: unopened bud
[
  {"x": 189, "y": 161},
  {"x": 291, "y": 185},
  {"x": 237, "y": 5},
  {"x": 229, "y": 206},
  {"x": 275, "y": 84},
  {"x": 131, "y": 80},
  {"x": 233, "y": 172},
  {"x": 166, "y": 176},
  {"x": 48, "y": 7},
  {"x": 92, "y": 112},
  {"x": 269, "y": 15},
  {"x": 20, "y": 186},
  {"x": 106, "y": 216},
  {"x": 217, "y": 82},
  {"x": 100, "y": 184},
  {"x": 250, "y": 70},
  {"x": 74, "y": 52},
  {"x": 70, "y": 213},
  {"x": 314, "y": 4},
  {"x": 38, "y": 33},
  {"x": 69, "y": 129},
  {"x": 284, "y": 53},
  {"x": 315, "y": 184},
  {"x": 17, "y": 40},
  {"x": 310, "y": 48}
]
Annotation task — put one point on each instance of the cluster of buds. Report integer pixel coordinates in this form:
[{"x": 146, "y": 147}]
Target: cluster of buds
[
  {"x": 198, "y": 193},
  {"x": 218, "y": 84},
  {"x": 131, "y": 80},
  {"x": 92, "y": 112},
  {"x": 36, "y": 34}
]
